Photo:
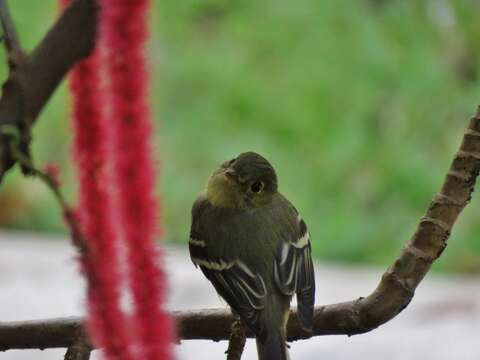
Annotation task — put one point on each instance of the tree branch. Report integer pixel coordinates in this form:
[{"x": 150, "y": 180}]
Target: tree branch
[
  {"x": 34, "y": 77},
  {"x": 392, "y": 295},
  {"x": 9, "y": 32},
  {"x": 12, "y": 140},
  {"x": 237, "y": 340},
  {"x": 71, "y": 39}
]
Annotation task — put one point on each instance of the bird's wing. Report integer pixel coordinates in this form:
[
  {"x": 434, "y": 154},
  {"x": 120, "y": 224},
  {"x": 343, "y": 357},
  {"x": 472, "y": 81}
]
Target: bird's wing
[
  {"x": 241, "y": 288},
  {"x": 294, "y": 273}
]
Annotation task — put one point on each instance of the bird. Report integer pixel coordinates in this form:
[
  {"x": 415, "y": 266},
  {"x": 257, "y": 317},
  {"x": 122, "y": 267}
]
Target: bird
[{"x": 253, "y": 246}]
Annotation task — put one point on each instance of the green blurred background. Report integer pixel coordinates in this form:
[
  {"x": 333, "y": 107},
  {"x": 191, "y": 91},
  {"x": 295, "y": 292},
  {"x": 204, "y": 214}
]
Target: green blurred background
[{"x": 359, "y": 104}]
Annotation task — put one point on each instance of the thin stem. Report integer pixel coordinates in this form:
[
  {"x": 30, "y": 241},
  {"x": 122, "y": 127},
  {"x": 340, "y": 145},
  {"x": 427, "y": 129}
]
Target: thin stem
[
  {"x": 9, "y": 32},
  {"x": 52, "y": 184},
  {"x": 80, "y": 349},
  {"x": 238, "y": 338}
]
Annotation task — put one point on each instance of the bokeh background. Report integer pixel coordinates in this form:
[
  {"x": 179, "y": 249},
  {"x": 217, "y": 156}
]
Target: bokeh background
[{"x": 360, "y": 105}]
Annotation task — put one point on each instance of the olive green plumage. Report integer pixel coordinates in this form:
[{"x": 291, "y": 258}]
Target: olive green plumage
[{"x": 251, "y": 243}]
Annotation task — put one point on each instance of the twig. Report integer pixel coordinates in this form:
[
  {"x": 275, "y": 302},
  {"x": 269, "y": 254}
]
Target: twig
[
  {"x": 46, "y": 178},
  {"x": 237, "y": 341},
  {"x": 9, "y": 32},
  {"x": 12, "y": 138},
  {"x": 11, "y": 103}
]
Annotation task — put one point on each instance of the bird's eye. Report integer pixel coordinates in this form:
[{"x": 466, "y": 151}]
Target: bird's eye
[{"x": 257, "y": 186}]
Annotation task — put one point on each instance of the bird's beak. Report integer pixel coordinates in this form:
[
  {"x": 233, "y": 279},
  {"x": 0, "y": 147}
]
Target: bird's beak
[{"x": 231, "y": 175}]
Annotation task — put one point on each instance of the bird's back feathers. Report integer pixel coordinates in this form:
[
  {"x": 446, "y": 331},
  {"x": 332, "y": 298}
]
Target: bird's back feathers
[{"x": 257, "y": 259}]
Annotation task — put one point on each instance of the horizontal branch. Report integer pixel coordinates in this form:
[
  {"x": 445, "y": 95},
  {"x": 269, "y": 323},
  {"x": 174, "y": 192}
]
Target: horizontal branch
[{"x": 207, "y": 324}]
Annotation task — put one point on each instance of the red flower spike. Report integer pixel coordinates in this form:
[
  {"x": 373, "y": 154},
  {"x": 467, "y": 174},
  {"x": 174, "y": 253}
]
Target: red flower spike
[
  {"x": 124, "y": 32},
  {"x": 100, "y": 262}
]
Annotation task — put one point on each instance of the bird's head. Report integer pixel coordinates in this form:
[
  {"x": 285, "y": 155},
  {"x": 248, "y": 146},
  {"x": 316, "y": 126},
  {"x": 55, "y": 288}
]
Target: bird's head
[{"x": 247, "y": 181}]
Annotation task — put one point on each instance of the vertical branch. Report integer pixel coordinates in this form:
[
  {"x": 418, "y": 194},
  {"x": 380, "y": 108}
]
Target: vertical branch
[
  {"x": 12, "y": 102},
  {"x": 238, "y": 337},
  {"x": 80, "y": 349}
]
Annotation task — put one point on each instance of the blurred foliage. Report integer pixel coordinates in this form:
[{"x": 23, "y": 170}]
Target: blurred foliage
[{"x": 359, "y": 104}]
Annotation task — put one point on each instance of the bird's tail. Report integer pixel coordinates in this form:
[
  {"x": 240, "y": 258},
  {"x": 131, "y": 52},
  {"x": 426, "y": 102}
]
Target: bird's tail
[{"x": 272, "y": 348}]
